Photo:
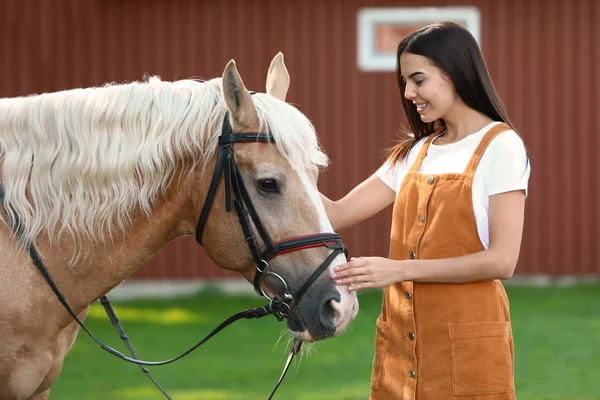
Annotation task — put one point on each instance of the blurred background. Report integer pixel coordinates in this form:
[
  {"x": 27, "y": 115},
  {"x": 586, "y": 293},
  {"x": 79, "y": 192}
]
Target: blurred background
[{"x": 544, "y": 58}]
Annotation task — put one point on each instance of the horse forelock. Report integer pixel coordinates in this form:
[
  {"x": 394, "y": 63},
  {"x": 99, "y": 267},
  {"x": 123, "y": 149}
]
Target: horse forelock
[
  {"x": 294, "y": 133},
  {"x": 79, "y": 162}
]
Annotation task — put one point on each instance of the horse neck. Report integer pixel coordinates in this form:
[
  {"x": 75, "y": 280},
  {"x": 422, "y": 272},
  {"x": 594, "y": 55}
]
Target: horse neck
[{"x": 109, "y": 264}]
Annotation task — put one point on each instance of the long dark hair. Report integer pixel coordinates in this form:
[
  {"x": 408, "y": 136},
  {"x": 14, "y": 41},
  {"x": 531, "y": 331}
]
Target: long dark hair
[{"x": 455, "y": 51}]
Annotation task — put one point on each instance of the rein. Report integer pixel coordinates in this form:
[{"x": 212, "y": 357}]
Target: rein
[{"x": 237, "y": 196}]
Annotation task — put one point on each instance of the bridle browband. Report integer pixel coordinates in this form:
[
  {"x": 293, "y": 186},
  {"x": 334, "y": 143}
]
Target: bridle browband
[{"x": 280, "y": 307}]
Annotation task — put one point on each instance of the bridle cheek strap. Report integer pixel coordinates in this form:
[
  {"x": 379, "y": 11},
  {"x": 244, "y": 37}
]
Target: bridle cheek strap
[{"x": 237, "y": 196}]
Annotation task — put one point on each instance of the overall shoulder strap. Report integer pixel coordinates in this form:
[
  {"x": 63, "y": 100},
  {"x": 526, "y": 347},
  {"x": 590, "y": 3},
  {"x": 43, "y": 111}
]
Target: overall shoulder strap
[
  {"x": 423, "y": 153},
  {"x": 485, "y": 141}
]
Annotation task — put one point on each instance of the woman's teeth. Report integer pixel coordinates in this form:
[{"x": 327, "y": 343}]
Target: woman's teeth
[{"x": 421, "y": 107}]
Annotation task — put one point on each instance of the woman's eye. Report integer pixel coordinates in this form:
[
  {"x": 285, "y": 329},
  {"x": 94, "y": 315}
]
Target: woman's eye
[
  {"x": 419, "y": 82},
  {"x": 268, "y": 185}
]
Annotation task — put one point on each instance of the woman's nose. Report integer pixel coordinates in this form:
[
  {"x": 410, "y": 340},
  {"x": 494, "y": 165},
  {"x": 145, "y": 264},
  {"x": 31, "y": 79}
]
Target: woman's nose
[{"x": 409, "y": 92}]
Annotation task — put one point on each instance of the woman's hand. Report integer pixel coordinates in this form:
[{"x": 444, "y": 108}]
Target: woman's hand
[{"x": 368, "y": 273}]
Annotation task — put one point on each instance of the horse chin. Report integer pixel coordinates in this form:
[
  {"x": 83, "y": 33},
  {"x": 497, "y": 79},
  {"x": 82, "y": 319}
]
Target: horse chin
[{"x": 305, "y": 336}]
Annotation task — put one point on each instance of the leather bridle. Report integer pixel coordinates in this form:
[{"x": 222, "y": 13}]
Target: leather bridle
[{"x": 237, "y": 196}]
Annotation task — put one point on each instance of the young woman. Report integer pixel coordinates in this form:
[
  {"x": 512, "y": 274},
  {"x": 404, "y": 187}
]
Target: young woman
[{"x": 458, "y": 185}]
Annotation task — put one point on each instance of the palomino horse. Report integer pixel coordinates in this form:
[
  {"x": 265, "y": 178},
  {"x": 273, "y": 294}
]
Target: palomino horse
[{"x": 98, "y": 180}]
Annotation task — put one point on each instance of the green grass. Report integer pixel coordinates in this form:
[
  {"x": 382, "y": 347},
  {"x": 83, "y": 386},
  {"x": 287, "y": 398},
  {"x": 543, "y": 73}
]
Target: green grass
[{"x": 557, "y": 345}]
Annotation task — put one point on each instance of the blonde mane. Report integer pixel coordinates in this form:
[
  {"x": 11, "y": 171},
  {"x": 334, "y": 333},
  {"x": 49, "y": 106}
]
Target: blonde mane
[{"x": 79, "y": 162}]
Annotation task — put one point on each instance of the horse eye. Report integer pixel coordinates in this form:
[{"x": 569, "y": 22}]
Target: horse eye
[{"x": 268, "y": 185}]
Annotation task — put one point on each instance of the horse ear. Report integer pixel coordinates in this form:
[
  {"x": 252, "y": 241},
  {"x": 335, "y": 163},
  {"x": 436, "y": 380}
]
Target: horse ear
[
  {"x": 278, "y": 78},
  {"x": 238, "y": 100}
]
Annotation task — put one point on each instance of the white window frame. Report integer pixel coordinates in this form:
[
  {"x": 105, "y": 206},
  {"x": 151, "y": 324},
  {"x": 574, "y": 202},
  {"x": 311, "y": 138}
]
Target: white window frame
[{"x": 369, "y": 18}]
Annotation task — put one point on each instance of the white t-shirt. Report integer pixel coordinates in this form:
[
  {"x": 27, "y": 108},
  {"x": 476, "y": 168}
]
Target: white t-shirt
[{"x": 502, "y": 168}]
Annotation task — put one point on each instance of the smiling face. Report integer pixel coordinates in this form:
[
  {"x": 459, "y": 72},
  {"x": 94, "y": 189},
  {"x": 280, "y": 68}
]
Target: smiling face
[{"x": 427, "y": 87}]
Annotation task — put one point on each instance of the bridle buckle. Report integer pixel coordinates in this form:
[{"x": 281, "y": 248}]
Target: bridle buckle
[{"x": 279, "y": 308}]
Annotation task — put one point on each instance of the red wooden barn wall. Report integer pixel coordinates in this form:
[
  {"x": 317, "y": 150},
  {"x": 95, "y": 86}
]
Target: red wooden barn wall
[{"x": 544, "y": 57}]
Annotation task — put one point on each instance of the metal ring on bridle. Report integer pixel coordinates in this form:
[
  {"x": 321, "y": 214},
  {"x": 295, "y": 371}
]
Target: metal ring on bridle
[
  {"x": 262, "y": 263},
  {"x": 286, "y": 295}
]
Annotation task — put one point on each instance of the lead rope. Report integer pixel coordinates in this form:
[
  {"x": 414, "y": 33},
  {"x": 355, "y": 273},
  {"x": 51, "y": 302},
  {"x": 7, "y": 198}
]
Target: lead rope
[
  {"x": 294, "y": 349},
  {"x": 115, "y": 322}
]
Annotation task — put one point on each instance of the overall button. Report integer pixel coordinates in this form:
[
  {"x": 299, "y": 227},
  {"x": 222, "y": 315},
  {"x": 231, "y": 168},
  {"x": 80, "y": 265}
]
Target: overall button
[
  {"x": 421, "y": 218},
  {"x": 430, "y": 179},
  {"x": 409, "y": 295},
  {"x": 412, "y": 255},
  {"x": 412, "y": 373},
  {"x": 411, "y": 335}
]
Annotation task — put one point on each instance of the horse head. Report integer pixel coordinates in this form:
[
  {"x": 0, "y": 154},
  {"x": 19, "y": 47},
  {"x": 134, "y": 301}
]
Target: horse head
[{"x": 279, "y": 177}]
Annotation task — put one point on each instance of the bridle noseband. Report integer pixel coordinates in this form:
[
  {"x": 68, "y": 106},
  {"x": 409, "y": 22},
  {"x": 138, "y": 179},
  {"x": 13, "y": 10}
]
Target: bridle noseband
[{"x": 236, "y": 196}]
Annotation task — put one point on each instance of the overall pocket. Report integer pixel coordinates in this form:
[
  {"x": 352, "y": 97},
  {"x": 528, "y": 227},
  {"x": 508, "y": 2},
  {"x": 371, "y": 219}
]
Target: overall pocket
[
  {"x": 482, "y": 358},
  {"x": 380, "y": 350}
]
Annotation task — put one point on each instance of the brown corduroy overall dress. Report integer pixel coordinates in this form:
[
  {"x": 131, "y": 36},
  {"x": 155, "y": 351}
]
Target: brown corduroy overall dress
[{"x": 441, "y": 341}]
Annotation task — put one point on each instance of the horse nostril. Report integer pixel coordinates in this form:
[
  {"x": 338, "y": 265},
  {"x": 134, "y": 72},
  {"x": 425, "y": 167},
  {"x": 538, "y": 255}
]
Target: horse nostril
[
  {"x": 329, "y": 307},
  {"x": 328, "y": 313}
]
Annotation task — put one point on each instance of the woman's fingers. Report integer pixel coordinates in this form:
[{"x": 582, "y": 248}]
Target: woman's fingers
[
  {"x": 361, "y": 286},
  {"x": 351, "y": 276},
  {"x": 341, "y": 270}
]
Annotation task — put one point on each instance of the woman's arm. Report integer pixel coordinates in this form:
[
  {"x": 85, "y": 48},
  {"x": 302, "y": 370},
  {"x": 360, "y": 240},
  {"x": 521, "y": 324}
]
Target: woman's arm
[
  {"x": 364, "y": 201},
  {"x": 506, "y": 218}
]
